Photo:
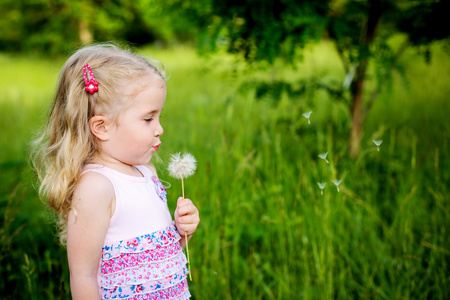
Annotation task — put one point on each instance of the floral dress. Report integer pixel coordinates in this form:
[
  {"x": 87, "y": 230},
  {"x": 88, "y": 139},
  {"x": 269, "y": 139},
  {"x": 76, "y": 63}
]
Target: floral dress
[
  {"x": 138, "y": 266},
  {"x": 151, "y": 266}
]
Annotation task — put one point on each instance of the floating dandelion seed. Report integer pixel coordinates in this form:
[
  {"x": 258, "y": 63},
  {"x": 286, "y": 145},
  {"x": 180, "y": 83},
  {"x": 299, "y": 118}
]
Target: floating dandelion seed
[
  {"x": 322, "y": 186},
  {"x": 377, "y": 143},
  {"x": 306, "y": 115},
  {"x": 324, "y": 156},
  {"x": 180, "y": 167},
  {"x": 337, "y": 183}
]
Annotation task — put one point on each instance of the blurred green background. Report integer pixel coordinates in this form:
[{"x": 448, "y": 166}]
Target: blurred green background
[{"x": 242, "y": 74}]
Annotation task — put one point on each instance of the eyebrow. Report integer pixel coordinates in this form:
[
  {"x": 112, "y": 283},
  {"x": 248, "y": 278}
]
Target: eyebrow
[{"x": 151, "y": 112}]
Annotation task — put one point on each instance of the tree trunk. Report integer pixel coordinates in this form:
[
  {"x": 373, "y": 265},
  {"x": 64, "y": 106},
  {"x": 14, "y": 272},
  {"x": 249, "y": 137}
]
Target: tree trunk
[
  {"x": 357, "y": 109},
  {"x": 375, "y": 11},
  {"x": 84, "y": 33}
]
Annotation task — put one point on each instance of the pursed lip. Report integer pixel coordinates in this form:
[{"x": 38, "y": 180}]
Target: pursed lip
[{"x": 156, "y": 147}]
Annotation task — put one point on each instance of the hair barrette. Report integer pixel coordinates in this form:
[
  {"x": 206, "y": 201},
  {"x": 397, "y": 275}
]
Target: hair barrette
[{"x": 91, "y": 84}]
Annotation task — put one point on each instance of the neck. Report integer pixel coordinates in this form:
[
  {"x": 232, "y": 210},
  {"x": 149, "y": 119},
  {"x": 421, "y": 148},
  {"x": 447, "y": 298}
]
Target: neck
[{"x": 116, "y": 165}]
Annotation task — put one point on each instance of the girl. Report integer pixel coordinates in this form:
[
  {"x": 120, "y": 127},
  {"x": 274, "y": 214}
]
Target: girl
[{"x": 94, "y": 168}]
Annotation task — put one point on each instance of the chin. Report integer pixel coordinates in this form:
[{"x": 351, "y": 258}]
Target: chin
[{"x": 147, "y": 161}]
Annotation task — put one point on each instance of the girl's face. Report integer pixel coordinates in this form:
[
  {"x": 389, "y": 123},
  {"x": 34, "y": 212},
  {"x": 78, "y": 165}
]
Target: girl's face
[{"x": 136, "y": 135}]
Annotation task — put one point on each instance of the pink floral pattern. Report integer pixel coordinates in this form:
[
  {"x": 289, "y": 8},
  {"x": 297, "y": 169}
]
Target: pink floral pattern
[
  {"x": 160, "y": 190},
  {"x": 168, "y": 284},
  {"x": 151, "y": 266},
  {"x": 150, "y": 241},
  {"x": 144, "y": 272},
  {"x": 131, "y": 260},
  {"x": 179, "y": 292}
]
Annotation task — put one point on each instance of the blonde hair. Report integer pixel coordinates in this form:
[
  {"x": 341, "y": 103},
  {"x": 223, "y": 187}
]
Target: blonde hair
[{"x": 67, "y": 143}]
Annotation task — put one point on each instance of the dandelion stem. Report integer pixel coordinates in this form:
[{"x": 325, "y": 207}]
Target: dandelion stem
[
  {"x": 188, "y": 260},
  {"x": 182, "y": 186},
  {"x": 186, "y": 238}
]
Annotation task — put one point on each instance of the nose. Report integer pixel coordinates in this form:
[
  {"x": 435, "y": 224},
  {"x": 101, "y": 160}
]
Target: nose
[{"x": 159, "y": 130}]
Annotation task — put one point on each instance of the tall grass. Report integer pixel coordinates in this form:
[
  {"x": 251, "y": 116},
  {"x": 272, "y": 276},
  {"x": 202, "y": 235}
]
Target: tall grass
[{"x": 266, "y": 231}]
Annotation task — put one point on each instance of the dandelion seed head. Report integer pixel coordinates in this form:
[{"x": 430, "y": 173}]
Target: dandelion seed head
[
  {"x": 323, "y": 155},
  {"x": 307, "y": 114},
  {"x": 182, "y": 166},
  {"x": 377, "y": 142}
]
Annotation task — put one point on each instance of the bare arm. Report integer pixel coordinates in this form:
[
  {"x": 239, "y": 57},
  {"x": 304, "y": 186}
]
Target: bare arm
[{"x": 88, "y": 223}]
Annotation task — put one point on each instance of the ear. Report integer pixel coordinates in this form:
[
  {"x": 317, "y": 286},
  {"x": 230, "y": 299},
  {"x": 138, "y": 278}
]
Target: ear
[{"x": 99, "y": 128}]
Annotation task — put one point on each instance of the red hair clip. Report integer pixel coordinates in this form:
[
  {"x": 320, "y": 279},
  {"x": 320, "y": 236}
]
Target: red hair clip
[{"x": 91, "y": 84}]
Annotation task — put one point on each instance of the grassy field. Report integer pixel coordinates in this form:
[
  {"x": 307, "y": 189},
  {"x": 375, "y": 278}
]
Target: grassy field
[{"x": 266, "y": 231}]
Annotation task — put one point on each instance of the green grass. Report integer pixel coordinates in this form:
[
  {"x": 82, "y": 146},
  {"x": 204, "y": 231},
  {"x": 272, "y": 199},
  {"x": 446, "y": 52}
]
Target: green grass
[{"x": 266, "y": 232}]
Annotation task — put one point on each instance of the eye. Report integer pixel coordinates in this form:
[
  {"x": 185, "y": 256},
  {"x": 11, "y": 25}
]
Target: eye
[{"x": 148, "y": 119}]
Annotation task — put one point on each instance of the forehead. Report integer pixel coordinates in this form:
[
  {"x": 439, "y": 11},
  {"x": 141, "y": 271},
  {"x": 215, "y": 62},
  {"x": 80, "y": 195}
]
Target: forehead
[
  {"x": 134, "y": 86},
  {"x": 146, "y": 93}
]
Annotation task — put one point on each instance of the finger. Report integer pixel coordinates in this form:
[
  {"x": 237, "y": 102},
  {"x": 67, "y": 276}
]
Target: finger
[
  {"x": 188, "y": 220},
  {"x": 188, "y": 229},
  {"x": 187, "y": 215},
  {"x": 183, "y": 201},
  {"x": 187, "y": 210}
]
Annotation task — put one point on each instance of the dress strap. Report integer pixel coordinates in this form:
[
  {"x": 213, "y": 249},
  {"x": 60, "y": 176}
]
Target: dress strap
[
  {"x": 98, "y": 169},
  {"x": 145, "y": 171}
]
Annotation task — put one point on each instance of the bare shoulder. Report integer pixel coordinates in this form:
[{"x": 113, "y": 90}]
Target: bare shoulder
[
  {"x": 93, "y": 182},
  {"x": 94, "y": 192},
  {"x": 152, "y": 168}
]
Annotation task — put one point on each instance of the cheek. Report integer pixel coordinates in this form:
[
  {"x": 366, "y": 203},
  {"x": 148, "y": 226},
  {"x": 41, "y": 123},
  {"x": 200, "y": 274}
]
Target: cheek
[{"x": 143, "y": 136}]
